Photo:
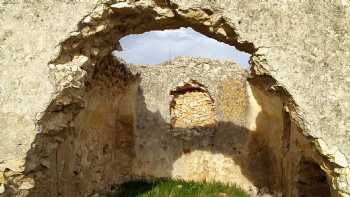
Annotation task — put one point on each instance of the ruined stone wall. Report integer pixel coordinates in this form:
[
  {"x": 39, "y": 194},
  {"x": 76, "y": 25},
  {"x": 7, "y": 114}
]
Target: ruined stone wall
[
  {"x": 87, "y": 137},
  {"x": 51, "y": 47},
  {"x": 191, "y": 148},
  {"x": 277, "y": 149},
  {"x": 250, "y": 139}
]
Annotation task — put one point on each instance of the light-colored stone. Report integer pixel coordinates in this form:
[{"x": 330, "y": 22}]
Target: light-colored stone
[
  {"x": 27, "y": 184},
  {"x": 121, "y": 5},
  {"x": 300, "y": 47},
  {"x": 340, "y": 159},
  {"x": 2, "y": 188}
]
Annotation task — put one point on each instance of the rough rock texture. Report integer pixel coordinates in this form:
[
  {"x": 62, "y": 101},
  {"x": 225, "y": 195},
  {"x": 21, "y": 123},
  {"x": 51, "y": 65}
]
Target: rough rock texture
[
  {"x": 193, "y": 93},
  {"x": 49, "y": 50},
  {"x": 28, "y": 41},
  {"x": 208, "y": 141},
  {"x": 191, "y": 107}
]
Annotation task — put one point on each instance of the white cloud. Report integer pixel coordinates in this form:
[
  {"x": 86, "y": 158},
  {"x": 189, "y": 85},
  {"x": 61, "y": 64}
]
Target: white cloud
[{"x": 155, "y": 47}]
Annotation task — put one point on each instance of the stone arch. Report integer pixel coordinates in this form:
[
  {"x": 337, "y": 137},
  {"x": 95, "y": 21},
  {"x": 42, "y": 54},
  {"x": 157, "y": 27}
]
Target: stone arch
[
  {"x": 82, "y": 65},
  {"x": 111, "y": 22}
]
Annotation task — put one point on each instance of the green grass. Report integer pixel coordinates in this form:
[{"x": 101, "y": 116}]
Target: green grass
[{"x": 177, "y": 188}]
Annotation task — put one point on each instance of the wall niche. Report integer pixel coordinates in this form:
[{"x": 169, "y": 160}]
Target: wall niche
[{"x": 191, "y": 110}]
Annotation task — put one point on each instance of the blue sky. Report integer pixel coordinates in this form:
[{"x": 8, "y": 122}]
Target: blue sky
[{"x": 155, "y": 47}]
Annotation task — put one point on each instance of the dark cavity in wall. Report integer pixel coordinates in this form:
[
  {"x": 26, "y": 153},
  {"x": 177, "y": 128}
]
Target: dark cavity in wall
[{"x": 312, "y": 180}]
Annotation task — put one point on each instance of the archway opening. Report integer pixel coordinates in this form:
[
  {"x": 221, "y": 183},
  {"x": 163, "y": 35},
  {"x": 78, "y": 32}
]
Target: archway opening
[
  {"x": 156, "y": 47},
  {"x": 109, "y": 114}
]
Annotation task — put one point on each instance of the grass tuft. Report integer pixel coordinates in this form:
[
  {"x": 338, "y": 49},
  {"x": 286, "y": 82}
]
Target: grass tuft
[{"x": 177, "y": 188}]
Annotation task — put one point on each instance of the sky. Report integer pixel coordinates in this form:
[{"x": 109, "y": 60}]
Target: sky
[{"x": 155, "y": 47}]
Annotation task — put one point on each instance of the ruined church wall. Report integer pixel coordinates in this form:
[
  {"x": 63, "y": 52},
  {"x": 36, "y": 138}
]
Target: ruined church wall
[
  {"x": 307, "y": 55},
  {"x": 194, "y": 149},
  {"x": 251, "y": 140}
]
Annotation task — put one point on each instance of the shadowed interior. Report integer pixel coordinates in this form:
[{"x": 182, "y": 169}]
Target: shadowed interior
[{"x": 126, "y": 127}]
